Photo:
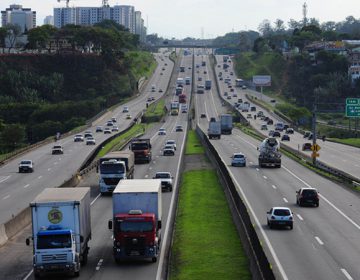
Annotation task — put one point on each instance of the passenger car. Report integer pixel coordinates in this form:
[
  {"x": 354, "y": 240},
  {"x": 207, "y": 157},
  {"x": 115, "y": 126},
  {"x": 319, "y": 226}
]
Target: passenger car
[
  {"x": 128, "y": 117},
  {"x": 276, "y": 134},
  {"x": 165, "y": 178},
  {"x": 160, "y": 90},
  {"x": 238, "y": 159},
  {"x": 57, "y": 149},
  {"x": 26, "y": 166},
  {"x": 162, "y": 131},
  {"x": 109, "y": 123},
  {"x": 115, "y": 128},
  {"x": 263, "y": 127},
  {"x": 107, "y": 130},
  {"x": 99, "y": 129},
  {"x": 88, "y": 134},
  {"x": 285, "y": 137},
  {"x": 171, "y": 142},
  {"x": 90, "y": 141},
  {"x": 179, "y": 128},
  {"x": 78, "y": 138},
  {"x": 290, "y": 130},
  {"x": 307, "y": 196},
  {"x": 202, "y": 115},
  {"x": 306, "y": 147},
  {"x": 126, "y": 109},
  {"x": 281, "y": 216},
  {"x": 243, "y": 87},
  {"x": 306, "y": 134},
  {"x": 169, "y": 150},
  {"x": 113, "y": 119}
]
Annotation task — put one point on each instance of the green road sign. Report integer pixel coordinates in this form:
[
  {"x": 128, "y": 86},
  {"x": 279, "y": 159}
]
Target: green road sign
[{"x": 352, "y": 107}]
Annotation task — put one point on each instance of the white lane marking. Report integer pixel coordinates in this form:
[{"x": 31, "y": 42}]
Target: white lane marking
[
  {"x": 257, "y": 169},
  {"x": 28, "y": 275},
  {"x": 300, "y": 218},
  {"x": 150, "y": 168},
  {"x": 26, "y": 186},
  {"x": 146, "y": 175},
  {"x": 274, "y": 187},
  {"x": 347, "y": 275},
  {"x": 49, "y": 169},
  {"x": 6, "y": 197},
  {"x": 285, "y": 200},
  {"x": 99, "y": 264},
  {"x": 319, "y": 240},
  {"x": 325, "y": 199},
  {"x": 92, "y": 202},
  {"x": 264, "y": 177},
  {"x": 40, "y": 177},
  {"x": 162, "y": 253},
  {"x": 251, "y": 162},
  {"x": 4, "y": 178}
]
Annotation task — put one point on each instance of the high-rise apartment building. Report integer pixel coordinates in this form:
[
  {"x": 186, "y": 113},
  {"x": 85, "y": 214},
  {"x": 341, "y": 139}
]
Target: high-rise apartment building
[
  {"x": 49, "y": 20},
  {"x": 16, "y": 14},
  {"x": 121, "y": 14}
]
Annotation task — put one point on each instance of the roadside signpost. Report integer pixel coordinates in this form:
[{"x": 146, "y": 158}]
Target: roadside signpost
[{"x": 352, "y": 107}]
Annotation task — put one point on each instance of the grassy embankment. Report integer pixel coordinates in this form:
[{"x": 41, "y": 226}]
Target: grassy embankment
[
  {"x": 142, "y": 64},
  {"x": 206, "y": 244},
  {"x": 156, "y": 109}
]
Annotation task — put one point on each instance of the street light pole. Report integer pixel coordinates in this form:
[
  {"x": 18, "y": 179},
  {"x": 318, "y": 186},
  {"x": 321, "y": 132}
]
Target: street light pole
[{"x": 314, "y": 131}]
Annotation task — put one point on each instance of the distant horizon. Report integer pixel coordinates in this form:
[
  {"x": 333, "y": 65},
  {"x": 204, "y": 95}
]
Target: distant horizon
[{"x": 207, "y": 19}]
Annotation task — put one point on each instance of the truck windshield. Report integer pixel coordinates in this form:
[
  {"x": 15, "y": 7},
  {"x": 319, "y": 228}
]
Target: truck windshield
[
  {"x": 111, "y": 169},
  {"x": 140, "y": 146},
  {"x": 135, "y": 226},
  {"x": 54, "y": 241}
]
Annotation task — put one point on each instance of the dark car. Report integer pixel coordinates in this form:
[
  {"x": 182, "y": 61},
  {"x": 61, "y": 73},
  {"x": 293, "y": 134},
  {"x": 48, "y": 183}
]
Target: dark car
[
  {"x": 270, "y": 121},
  {"x": 212, "y": 119},
  {"x": 203, "y": 116},
  {"x": 307, "y": 196},
  {"x": 285, "y": 137},
  {"x": 276, "y": 134},
  {"x": 179, "y": 128},
  {"x": 306, "y": 147},
  {"x": 306, "y": 134}
]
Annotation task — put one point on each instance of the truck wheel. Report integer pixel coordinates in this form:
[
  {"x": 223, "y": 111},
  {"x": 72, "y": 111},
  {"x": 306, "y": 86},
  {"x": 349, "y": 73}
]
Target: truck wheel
[
  {"x": 85, "y": 258},
  {"x": 170, "y": 189},
  {"x": 154, "y": 259},
  {"x": 77, "y": 273},
  {"x": 37, "y": 275}
]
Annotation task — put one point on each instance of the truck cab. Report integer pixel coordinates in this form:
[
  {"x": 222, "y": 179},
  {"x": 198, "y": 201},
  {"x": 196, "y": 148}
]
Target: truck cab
[
  {"x": 141, "y": 149},
  {"x": 111, "y": 172}
]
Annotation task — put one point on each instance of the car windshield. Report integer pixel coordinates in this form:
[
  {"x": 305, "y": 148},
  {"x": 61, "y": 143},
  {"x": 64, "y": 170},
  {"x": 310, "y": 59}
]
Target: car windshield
[
  {"x": 25, "y": 162},
  {"x": 281, "y": 212},
  {"x": 238, "y": 156},
  {"x": 162, "y": 175},
  {"x": 111, "y": 168},
  {"x": 170, "y": 142},
  {"x": 57, "y": 147},
  {"x": 308, "y": 193},
  {"x": 139, "y": 146},
  {"x": 168, "y": 147}
]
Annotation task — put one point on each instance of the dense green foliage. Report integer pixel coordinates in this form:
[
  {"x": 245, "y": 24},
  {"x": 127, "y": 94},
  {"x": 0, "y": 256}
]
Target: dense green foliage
[
  {"x": 193, "y": 144},
  {"x": 43, "y": 94}
]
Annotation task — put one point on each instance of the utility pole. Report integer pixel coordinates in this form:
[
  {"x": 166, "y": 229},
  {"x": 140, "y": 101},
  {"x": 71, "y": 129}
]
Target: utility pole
[{"x": 314, "y": 132}]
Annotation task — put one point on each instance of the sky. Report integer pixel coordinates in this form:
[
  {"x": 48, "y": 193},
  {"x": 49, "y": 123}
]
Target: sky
[{"x": 208, "y": 18}]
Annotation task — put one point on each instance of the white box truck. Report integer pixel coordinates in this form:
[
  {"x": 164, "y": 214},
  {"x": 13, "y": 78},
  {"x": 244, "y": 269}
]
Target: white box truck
[
  {"x": 113, "y": 167},
  {"x": 136, "y": 221},
  {"x": 61, "y": 230}
]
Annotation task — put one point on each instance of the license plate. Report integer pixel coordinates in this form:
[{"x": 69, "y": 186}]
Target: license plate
[
  {"x": 54, "y": 267},
  {"x": 281, "y": 223},
  {"x": 134, "y": 253}
]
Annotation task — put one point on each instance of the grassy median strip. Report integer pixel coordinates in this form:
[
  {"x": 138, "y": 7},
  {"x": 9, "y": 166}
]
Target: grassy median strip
[
  {"x": 155, "y": 109},
  {"x": 193, "y": 144},
  {"x": 206, "y": 244}
]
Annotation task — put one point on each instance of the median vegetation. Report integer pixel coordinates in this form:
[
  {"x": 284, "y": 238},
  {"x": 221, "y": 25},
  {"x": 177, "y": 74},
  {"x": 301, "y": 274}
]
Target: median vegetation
[
  {"x": 206, "y": 244},
  {"x": 155, "y": 112}
]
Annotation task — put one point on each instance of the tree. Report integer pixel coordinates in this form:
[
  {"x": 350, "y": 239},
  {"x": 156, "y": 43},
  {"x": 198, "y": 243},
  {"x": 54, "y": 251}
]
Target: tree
[
  {"x": 279, "y": 26},
  {"x": 265, "y": 28},
  {"x": 3, "y": 33},
  {"x": 293, "y": 24},
  {"x": 13, "y": 32},
  {"x": 13, "y": 136}
]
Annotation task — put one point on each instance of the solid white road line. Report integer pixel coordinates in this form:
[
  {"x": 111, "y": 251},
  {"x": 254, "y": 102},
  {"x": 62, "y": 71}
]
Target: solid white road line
[
  {"x": 319, "y": 240},
  {"x": 265, "y": 177},
  {"x": 92, "y": 202},
  {"x": 274, "y": 187},
  {"x": 347, "y": 275},
  {"x": 285, "y": 200},
  {"x": 300, "y": 218},
  {"x": 26, "y": 186}
]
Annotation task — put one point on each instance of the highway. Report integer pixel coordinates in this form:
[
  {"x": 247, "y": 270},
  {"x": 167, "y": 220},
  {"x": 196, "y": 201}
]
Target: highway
[
  {"x": 17, "y": 190},
  {"x": 342, "y": 157},
  {"x": 325, "y": 241},
  {"x": 101, "y": 264}
]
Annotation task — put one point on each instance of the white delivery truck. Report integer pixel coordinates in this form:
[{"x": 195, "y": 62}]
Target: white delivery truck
[
  {"x": 113, "y": 167},
  {"x": 136, "y": 221},
  {"x": 61, "y": 230}
]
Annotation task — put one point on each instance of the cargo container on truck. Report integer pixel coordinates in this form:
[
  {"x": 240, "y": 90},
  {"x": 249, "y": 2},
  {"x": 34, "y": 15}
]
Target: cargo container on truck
[
  {"x": 200, "y": 89},
  {"x": 187, "y": 80},
  {"x": 142, "y": 149},
  {"x": 214, "y": 130},
  {"x": 182, "y": 68},
  {"x": 61, "y": 230},
  {"x": 113, "y": 167},
  {"x": 226, "y": 123},
  {"x": 174, "y": 108},
  {"x": 182, "y": 97},
  {"x": 136, "y": 221},
  {"x": 180, "y": 82},
  {"x": 208, "y": 84}
]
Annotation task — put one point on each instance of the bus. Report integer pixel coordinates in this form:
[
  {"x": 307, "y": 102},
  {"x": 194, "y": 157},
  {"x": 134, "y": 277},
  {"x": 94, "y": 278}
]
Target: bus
[{"x": 239, "y": 82}]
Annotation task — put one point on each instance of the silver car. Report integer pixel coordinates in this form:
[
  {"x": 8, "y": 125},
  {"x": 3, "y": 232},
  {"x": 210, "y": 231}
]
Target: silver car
[{"x": 238, "y": 159}]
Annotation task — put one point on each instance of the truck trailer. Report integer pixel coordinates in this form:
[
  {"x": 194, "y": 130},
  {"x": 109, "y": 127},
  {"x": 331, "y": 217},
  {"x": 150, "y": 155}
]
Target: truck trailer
[
  {"x": 61, "y": 230},
  {"x": 214, "y": 130},
  {"x": 269, "y": 152},
  {"x": 208, "y": 84},
  {"x": 226, "y": 123},
  {"x": 113, "y": 167},
  {"x": 136, "y": 221}
]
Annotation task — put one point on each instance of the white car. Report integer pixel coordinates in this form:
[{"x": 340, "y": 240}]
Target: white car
[
  {"x": 88, "y": 134},
  {"x": 238, "y": 159},
  {"x": 126, "y": 109},
  {"x": 171, "y": 142},
  {"x": 26, "y": 166},
  {"x": 90, "y": 141},
  {"x": 162, "y": 131},
  {"x": 168, "y": 150},
  {"x": 115, "y": 128},
  {"x": 281, "y": 216},
  {"x": 78, "y": 138},
  {"x": 107, "y": 130},
  {"x": 57, "y": 149},
  {"x": 166, "y": 179}
]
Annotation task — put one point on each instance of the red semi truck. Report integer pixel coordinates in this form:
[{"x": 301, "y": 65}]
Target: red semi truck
[
  {"x": 136, "y": 221},
  {"x": 141, "y": 149}
]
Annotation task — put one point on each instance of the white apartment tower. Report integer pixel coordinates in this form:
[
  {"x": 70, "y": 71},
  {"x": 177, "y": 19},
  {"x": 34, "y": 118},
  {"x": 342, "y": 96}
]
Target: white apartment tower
[
  {"x": 64, "y": 16},
  {"x": 49, "y": 20},
  {"x": 16, "y": 14}
]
